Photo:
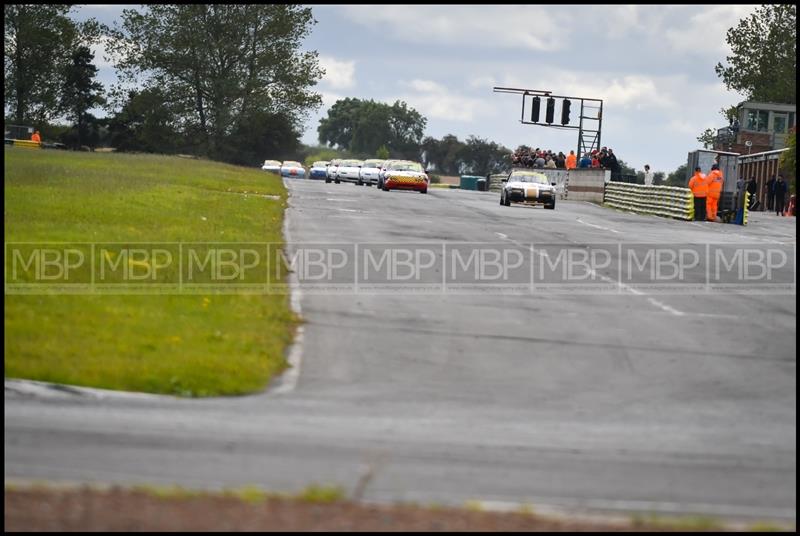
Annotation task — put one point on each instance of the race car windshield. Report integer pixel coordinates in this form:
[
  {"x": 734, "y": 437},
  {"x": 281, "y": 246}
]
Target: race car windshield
[
  {"x": 406, "y": 166},
  {"x": 351, "y": 163},
  {"x": 372, "y": 163},
  {"x": 537, "y": 178},
  {"x": 292, "y": 164},
  {"x": 320, "y": 164}
]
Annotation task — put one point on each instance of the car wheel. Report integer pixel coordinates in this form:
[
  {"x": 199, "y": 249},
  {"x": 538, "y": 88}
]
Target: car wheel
[
  {"x": 327, "y": 181},
  {"x": 501, "y": 199},
  {"x": 551, "y": 206},
  {"x": 507, "y": 201},
  {"x": 425, "y": 191},
  {"x": 336, "y": 181}
]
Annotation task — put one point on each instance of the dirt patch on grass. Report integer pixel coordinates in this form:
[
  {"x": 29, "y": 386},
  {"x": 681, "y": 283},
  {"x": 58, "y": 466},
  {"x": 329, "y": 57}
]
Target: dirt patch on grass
[{"x": 117, "y": 509}]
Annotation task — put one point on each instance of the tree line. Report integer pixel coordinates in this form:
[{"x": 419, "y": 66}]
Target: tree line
[{"x": 224, "y": 81}]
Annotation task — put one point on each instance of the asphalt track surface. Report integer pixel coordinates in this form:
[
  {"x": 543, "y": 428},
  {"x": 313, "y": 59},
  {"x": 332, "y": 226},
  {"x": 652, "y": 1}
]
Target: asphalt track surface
[{"x": 629, "y": 400}]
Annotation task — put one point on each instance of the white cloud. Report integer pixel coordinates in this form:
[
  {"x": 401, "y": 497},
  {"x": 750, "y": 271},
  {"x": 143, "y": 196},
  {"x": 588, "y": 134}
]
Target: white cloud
[
  {"x": 99, "y": 51},
  {"x": 436, "y": 101},
  {"x": 704, "y": 31},
  {"x": 479, "y": 26},
  {"x": 339, "y": 74}
]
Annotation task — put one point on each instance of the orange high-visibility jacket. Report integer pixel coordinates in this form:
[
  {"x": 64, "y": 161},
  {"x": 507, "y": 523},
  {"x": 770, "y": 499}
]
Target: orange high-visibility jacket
[
  {"x": 35, "y": 137},
  {"x": 715, "y": 182},
  {"x": 572, "y": 161},
  {"x": 698, "y": 184}
]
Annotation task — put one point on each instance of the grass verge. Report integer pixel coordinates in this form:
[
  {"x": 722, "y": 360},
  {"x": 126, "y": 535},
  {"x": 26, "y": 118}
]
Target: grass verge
[{"x": 198, "y": 344}]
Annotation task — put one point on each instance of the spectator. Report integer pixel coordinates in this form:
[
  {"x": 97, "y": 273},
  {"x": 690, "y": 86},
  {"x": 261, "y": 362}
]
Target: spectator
[
  {"x": 648, "y": 175},
  {"x": 572, "y": 160},
  {"x": 586, "y": 161},
  {"x": 561, "y": 161},
  {"x": 771, "y": 193},
  {"x": 551, "y": 164},
  {"x": 595, "y": 161},
  {"x": 614, "y": 164},
  {"x": 780, "y": 194},
  {"x": 741, "y": 186},
  {"x": 539, "y": 163},
  {"x": 36, "y": 137},
  {"x": 752, "y": 189}
]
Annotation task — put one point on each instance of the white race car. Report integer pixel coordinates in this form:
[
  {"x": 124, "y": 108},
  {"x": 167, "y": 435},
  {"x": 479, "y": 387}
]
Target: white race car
[
  {"x": 331, "y": 171},
  {"x": 348, "y": 171},
  {"x": 528, "y": 186},
  {"x": 370, "y": 171},
  {"x": 273, "y": 166}
]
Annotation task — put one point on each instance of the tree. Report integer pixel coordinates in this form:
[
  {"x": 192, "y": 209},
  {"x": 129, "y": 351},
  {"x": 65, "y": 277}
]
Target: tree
[
  {"x": 146, "y": 122},
  {"x": 80, "y": 92},
  {"x": 363, "y": 126},
  {"x": 677, "y": 177},
  {"x": 707, "y": 138},
  {"x": 788, "y": 161},
  {"x": 39, "y": 41},
  {"x": 382, "y": 152},
  {"x": 481, "y": 157},
  {"x": 221, "y": 65},
  {"x": 763, "y": 64},
  {"x": 444, "y": 154}
]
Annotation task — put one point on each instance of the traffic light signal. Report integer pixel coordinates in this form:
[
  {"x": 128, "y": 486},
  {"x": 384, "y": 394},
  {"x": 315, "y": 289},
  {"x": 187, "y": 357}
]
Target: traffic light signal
[
  {"x": 535, "y": 104},
  {"x": 551, "y": 110},
  {"x": 565, "y": 111}
]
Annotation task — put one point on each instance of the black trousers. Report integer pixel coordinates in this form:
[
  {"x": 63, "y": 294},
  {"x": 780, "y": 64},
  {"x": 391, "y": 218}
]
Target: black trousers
[
  {"x": 779, "y": 204},
  {"x": 699, "y": 209},
  {"x": 770, "y": 201}
]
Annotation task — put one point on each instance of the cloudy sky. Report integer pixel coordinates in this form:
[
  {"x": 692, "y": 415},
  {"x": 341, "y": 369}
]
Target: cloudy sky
[{"x": 653, "y": 66}]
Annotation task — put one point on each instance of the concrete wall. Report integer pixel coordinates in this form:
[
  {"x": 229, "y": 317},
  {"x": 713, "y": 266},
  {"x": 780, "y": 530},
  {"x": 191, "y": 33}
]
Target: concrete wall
[{"x": 586, "y": 185}]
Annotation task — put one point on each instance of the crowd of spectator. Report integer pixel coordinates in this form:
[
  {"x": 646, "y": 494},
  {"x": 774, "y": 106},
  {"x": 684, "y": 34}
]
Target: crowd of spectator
[
  {"x": 545, "y": 158},
  {"x": 538, "y": 158}
]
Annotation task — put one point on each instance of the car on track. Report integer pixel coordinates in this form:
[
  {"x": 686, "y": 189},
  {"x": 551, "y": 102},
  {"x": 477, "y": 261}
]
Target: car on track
[
  {"x": 528, "y": 186},
  {"x": 404, "y": 175},
  {"x": 348, "y": 171},
  {"x": 290, "y": 168},
  {"x": 370, "y": 171},
  {"x": 319, "y": 170},
  {"x": 332, "y": 167},
  {"x": 273, "y": 166}
]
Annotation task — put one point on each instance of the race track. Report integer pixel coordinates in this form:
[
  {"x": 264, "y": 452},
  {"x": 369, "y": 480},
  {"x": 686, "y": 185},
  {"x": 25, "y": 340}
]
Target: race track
[{"x": 628, "y": 400}]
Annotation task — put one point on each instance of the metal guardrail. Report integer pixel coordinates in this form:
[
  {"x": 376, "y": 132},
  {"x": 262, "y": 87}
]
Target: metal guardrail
[{"x": 665, "y": 201}]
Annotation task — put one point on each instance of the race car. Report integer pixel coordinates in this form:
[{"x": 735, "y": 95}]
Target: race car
[
  {"x": 294, "y": 169},
  {"x": 348, "y": 171},
  {"x": 319, "y": 170},
  {"x": 370, "y": 170},
  {"x": 403, "y": 175},
  {"x": 273, "y": 166},
  {"x": 528, "y": 186}
]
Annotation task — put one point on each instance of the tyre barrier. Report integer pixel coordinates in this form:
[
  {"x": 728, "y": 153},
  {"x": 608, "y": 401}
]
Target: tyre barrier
[
  {"x": 665, "y": 201},
  {"x": 27, "y": 144}
]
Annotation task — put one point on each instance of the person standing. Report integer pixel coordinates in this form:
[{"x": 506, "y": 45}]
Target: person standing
[
  {"x": 36, "y": 137},
  {"x": 699, "y": 187},
  {"x": 780, "y": 194},
  {"x": 771, "y": 193},
  {"x": 586, "y": 161},
  {"x": 752, "y": 189},
  {"x": 715, "y": 182},
  {"x": 648, "y": 175},
  {"x": 572, "y": 160}
]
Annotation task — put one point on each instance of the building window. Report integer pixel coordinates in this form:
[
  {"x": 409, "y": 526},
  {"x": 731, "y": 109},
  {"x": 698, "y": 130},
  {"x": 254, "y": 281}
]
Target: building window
[
  {"x": 756, "y": 120},
  {"x": 779, "y": 124}
]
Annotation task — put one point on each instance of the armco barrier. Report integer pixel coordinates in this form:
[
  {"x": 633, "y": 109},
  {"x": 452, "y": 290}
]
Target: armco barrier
[{"x": 666, "y": 201}]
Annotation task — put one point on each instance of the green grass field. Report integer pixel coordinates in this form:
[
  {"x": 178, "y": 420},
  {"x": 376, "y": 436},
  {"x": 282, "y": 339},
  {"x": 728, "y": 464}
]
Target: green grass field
[{"x": 200, "y": 344}]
